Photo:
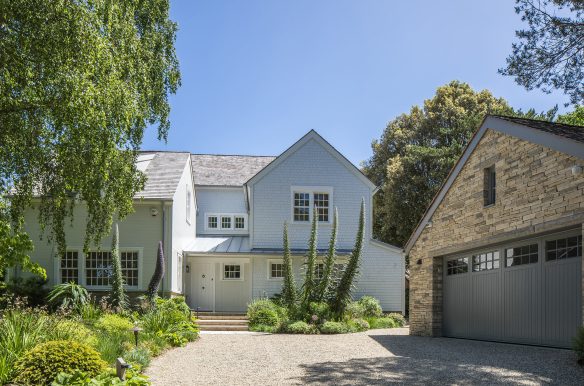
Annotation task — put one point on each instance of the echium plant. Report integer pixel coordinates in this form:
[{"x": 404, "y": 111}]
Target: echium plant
[
  {"x": 310, "y": 263},
  {"x": 289, "y": 286},
  {"x": 118, "y": 298},
  {"x": 324, "y": 286},
  {"x": 152, "y": 290},
  {"x": 345, "y": 287}
]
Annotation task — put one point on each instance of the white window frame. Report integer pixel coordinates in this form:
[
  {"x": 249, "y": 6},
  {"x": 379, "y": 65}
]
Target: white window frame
[
  {"x": 219, "y": 217},
  {"x": 269, "y": 267},
  {"x": 312, "y": 190},
  {"x": 82, "y": 265},
  {"x": 241, "y": 273},
  {"x": 188, "y": 206}
]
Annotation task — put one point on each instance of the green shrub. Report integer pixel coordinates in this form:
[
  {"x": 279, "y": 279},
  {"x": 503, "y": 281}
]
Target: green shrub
[
  {"x": 42, "y": 364},
  {"x": 371, "y": 306},
  {"x": 384, "y": 322},
  {"x": 301, "y": 327},
  {"x": 32, "y": 289},
  {"x": 321, "y": 310},
  {"x": 111, "y": 346},
  {"x": 578, "y": 344},
  {"x": 358, "y": 325},
  {"x": 334, "y": 328},
  {"x": 400, "y": 320},
  {"x": 174, "y": 304},
  {"x": 138, "y": 357},
  {"x": 66, "y": 329},
  {"x": 106, "y": 378},
  {"x": 263, "y": 328},
  {"x": 354, "y": 310},
  {"x": 266, "y": 312},
  {"x": 114, "y": 324},
  {"x": 90, "y": 312}
]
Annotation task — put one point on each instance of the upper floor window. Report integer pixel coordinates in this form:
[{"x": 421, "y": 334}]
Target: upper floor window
[
  {"x": 490, "y": 186},
  {"x": 226, "y": 221},
  {"x": 304, "y": 199}
]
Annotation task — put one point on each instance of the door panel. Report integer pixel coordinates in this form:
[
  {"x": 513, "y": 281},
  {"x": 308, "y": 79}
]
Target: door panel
[{"x": 203, "y": 287}]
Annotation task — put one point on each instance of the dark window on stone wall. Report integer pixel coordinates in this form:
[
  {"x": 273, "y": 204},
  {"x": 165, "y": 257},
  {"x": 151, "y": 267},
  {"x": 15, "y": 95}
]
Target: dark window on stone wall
[{"x": 490, "y": 186}]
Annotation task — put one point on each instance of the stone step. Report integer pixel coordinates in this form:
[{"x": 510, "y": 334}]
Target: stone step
[
  {"x": 227, "y": 322},
  {"x": 223, "y": 328},
  {"x": 202, "y": 316}
]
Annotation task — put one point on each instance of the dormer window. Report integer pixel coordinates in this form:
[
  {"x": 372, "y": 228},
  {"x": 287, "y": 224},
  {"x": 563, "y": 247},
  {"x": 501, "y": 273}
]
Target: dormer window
[
  {"x": 490, "y": 186},
  {"x": 223, "y": 222},
  {"x": 306, "y": 198},
  {"x": 212, "y": 222}
]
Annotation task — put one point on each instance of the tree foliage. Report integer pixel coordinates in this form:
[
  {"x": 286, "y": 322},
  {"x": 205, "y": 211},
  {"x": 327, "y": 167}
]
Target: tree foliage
[
  {"x": 118, "y": 298},
  {"x": 575, "y": 117},
  {"x": 550, "y": 52},
  {"x": 417, "y": 150},
  {"x": 345, "y": 287},
  {"x": 289, "y": 286},
  {"x": 79, "y": 83}
]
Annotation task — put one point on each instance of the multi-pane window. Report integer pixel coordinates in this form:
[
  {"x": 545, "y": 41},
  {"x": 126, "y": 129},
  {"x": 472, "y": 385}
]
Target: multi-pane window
[
  {"x": 129, "y": 260},
  {"x": 319, "y": 271},
  {"x": 321, "y": 202},
  {"x": 564, "y": 248},
  {"x": 239, "y": 222},
  {"x": 485, "y": 261},
  {"x": 526, "y": 254},
  {"x": 98, "y": 268},
  {"x": 276, "y": 270},
  {"x": 231, "y": 271},
  {"x": 301, "y": 207},
  {"x": 212, "y": 222},
  {"x": 490, "y": 190},
  {"x": 456, "y": 266},
  {"x": 70, "y": 267},
  {"x": 225, "y": 222}
]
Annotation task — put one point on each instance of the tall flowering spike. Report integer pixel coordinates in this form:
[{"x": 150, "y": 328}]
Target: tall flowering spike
[
  {"x": 289, "y": 287},
  {"x": 118, "y": 298},
  {"x": 152, "y": 290},
  {"x": 345, "y": 287},
  {"x": 309, "y": 287},
  {"x": 325, "y": 282}
]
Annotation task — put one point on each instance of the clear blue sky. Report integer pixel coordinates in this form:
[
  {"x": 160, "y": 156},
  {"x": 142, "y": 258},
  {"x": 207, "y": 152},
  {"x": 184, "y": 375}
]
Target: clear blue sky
[{"x": 257, "y": 75}]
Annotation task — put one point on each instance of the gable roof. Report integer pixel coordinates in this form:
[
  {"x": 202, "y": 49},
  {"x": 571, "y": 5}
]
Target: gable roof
[
  {"x": 226, "y": 170},
  {"x": 163, "y": 172},
  {"x": 312, "y": 135},
  {"x": 566, "y": 139}
]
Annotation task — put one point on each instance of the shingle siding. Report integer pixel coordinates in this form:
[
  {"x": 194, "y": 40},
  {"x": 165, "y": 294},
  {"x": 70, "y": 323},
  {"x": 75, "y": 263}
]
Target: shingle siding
[{"x": 219, "y": 200}]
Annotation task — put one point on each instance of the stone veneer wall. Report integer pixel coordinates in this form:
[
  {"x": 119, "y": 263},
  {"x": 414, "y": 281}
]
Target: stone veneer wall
[{"x": 536, "y": 192}]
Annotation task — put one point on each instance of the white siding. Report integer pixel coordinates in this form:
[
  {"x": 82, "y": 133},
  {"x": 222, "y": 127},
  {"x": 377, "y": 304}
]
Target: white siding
[
  {"x": 183, "y": 231},
  {"x": 219, "y": 200},
  {"x": 311, "y": 165},
  {"x": 139, "y": 230}
]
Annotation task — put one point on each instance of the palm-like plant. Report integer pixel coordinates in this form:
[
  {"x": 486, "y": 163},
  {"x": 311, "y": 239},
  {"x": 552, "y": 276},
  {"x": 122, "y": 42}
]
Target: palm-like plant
[
  {"x": 345, "y": 287},
  {"x": 289, "y": 287},
  {"x": 118, "y": 299},
  {"x": 326, "y": 281},
  {"x": 68, "y": 295}
]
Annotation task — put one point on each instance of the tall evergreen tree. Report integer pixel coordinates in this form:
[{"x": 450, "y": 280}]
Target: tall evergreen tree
[
  {"x": 289, "y": 286},
  {"x": 118, "y": 298},
  {"x": 309, "y": 282},
  {"x": 326, "y": 280},
  {"x": 346, "y": 284}
]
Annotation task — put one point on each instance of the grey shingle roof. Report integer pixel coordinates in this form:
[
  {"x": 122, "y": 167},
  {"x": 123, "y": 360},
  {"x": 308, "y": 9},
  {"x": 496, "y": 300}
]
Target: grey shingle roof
[
  {"x": 163, "y": 174},
  {"x": 226, "y": 170},
  {"x": 575, "y": 133}
]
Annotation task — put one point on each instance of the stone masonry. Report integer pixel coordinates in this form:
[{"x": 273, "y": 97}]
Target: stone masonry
[{"x": 536, "y": 193}]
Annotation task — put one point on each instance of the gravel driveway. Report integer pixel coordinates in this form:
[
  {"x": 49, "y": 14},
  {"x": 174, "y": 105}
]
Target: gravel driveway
[{"x": 374, "y": 357}]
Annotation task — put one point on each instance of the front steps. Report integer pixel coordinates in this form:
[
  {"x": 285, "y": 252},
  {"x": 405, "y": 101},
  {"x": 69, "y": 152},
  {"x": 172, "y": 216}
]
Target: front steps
[{"x": 217, "y": 321}]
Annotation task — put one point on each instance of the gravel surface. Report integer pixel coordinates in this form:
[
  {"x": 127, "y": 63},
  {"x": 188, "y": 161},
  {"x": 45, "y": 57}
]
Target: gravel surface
[{"x": 374, "y": 357}]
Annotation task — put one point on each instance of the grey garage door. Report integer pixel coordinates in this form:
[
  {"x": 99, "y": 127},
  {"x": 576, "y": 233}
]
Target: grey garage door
[{"x": 527, "y": 292}]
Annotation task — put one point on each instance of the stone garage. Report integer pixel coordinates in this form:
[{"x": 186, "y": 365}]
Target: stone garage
[{"x": 498, "y": 253}]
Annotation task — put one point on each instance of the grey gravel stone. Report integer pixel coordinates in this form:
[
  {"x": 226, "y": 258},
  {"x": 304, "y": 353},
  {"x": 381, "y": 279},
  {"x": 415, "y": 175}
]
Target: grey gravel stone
[{"x": 370, "y": 358}]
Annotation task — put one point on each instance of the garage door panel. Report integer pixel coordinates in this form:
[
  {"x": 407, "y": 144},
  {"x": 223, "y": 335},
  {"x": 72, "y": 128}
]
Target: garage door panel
[
  {"x": 455, "y": 321},
  {"x": 486, "y": 303},
  {"x": 521, "y": 303},
  {"x": 562, "y": 313}
]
